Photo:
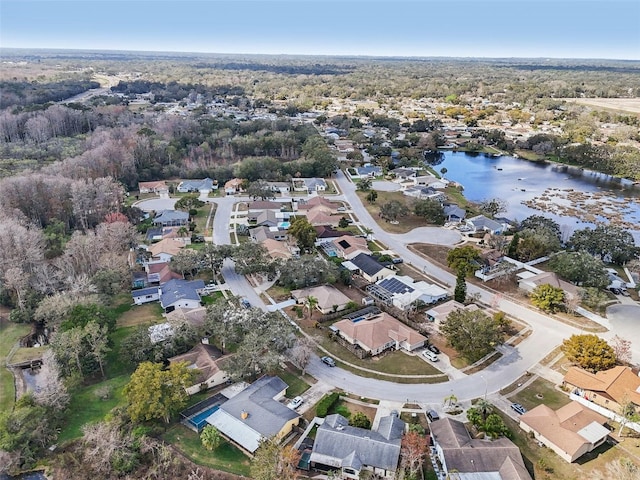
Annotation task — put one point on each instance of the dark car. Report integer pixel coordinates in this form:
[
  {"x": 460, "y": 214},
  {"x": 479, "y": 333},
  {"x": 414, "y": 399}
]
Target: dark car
[
  {"x": 433, "y": 348},
  {"x": 245, "y": 303},
  {"x": 519, "y": 409},
  {"x": 328, "y": 361},
  {"x": 432, "y": 415}
]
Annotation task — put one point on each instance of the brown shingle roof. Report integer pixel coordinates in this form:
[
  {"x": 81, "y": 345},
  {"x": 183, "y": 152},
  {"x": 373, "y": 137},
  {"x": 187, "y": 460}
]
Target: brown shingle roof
[
  {"x": 204, "y": 358},
  {"x": 619, "y": 382},
  {"x": 168, "y": 245},
  {"x": 377, "y": 331}
]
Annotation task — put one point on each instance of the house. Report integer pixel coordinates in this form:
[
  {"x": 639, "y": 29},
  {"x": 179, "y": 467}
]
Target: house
[
  {"x": 571, "y": 431},
  {"x": 233, "y": 186},
  {"x": 440, "y": 313},
  {"x": 402, "y": 291},
  {"x": 171, "y": 218},
  {"x": 480, "y": 223},
  {"x": 402, "y": 174},
  {"x": 325, "y": 231},
  {"x": 260, "y": 234},
  {"x": 277, "y": 249},
  {"x": 145, "y": 295},
  {"x": 180, "y": 293},
  {"x": 453, "y": 213},
  {"x": 258, "y": 206},
  {"x": 351, "y": 450},
  {"x": 181, "y": 234},
  {"x": 309, "y": 185},
  {"x": 464, "y": 458},
  {"x": 328, "y": 206},
  {"x": 368, "y": 267},
  {"x": 160, "y": 272},
  {"x": 279, "y": 187},
  {"x": 379, "y": 333},
  {"x": 424, "y": 193},
  {"x": 255, "y": 414},
  {"x": 348, "y": 246},
  {"x": 164, "y": 250},
  {"x": 153, "y": 187},
  {"x": 528, "y": 281},
  {"x": 203, "y": 186},
  {"x": 203, "y": 358},
  {"x": 367, "y": 171},
  {"x": 609, "y": 388},
  {"x": 317, "y": 217},
  {"x": 267, "y": 218},
  {"x": 431, "y": 181},
  {"x": 329, "y": 298},
  {"x": 193, "y": 316}
]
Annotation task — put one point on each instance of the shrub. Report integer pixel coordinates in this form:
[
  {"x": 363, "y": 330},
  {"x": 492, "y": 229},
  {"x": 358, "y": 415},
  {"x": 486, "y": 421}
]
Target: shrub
[{"x": 326, "y": 403}]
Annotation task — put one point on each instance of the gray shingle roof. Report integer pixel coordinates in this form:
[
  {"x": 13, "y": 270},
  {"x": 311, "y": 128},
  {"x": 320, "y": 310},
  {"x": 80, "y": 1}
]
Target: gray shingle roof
[
  {"x": 142, "y": 292},
  {"x": 266, "y": 415},
  {"x": 337, "y": 444},
  {"x": 168, "y": 216},
  {"x": 178, "y": 289},
  {"x": 204, "y": 184},
  {"x": 367, "y": 264}
]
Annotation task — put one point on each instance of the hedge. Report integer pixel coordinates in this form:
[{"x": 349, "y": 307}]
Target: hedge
[{"x": 326, "y": 403}]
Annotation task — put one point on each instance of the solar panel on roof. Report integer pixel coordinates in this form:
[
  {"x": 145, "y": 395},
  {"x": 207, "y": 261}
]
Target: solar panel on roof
[{"x": 394, "y": 285}]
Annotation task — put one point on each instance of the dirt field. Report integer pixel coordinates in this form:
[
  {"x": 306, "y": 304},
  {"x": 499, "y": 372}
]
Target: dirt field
[{"x": 629, "y": 105}]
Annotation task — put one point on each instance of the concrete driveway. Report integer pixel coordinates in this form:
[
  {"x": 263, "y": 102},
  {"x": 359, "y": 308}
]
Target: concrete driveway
[
  {"x": 385, "y": 186},
  {"x": 625, "y": 320},
  {"x": 156, "y": 204}
]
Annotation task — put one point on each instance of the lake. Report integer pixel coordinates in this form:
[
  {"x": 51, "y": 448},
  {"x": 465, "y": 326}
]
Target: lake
[{"x": 572, "y": 197}]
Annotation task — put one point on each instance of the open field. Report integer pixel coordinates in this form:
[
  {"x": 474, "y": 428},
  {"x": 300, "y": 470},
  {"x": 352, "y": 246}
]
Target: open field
[{"x": 627, "y": 105}]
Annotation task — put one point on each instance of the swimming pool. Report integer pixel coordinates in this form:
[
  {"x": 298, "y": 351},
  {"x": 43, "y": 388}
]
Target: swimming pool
[{"x": 199, "y": 419}]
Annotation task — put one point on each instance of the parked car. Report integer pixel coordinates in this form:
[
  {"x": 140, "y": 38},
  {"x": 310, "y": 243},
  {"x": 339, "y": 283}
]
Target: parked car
[
  {"x": 295, "y": 403},
  {"x": 432, "y": 415},
  {"x": 615, "y": 291},
  {"x": 395, "y": 413},
  {"x": 519, "y": 409},
  {"x": 245, "y": 303},
  {"x": 624, "y": 293},
  {"x": 328, "y": 361},
  {"x": 433, "y": 348},
  {"x": 397, "y": 260},
  {"x": 429, "y": 355}
]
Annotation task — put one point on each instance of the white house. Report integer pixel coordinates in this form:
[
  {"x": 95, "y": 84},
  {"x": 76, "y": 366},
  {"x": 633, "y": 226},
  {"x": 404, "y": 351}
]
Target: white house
[{"x": 402, "y": 291}]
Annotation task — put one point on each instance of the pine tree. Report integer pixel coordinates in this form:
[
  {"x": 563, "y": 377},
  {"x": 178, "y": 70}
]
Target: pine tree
[{"x": 460, "y": 292}]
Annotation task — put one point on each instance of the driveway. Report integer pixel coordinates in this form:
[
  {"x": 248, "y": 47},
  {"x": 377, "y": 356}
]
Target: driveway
[
  {"x": 625, "y": 320},
  {"x": 156, "y": 204},
  {"x": 385, "y": 186}
]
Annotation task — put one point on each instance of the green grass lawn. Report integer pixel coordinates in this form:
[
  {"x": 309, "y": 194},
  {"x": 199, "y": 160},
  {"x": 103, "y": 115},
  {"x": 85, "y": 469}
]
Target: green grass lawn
[
  {"x": 146, "y": 314},
  {"x": 550, "y": 396},
  {"x": 85, "y": 407},
  {"x": 10, "y": 333},
  {"x": 297, "y": 385},
  {"x": 212, "y": 298},
  {"x": 116, "y": 365},
  {"x": 226, "y": 457}
]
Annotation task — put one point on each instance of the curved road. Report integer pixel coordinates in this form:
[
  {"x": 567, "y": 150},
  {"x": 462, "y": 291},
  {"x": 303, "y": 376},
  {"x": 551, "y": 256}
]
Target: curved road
[{"x": 547, "y": 332}]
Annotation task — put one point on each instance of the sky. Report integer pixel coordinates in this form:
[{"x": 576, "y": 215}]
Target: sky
[{"x": 425, "y": 28}]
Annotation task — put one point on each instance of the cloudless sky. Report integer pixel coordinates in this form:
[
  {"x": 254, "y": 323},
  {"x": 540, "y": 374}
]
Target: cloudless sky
[{"x": 471, "y": 28}]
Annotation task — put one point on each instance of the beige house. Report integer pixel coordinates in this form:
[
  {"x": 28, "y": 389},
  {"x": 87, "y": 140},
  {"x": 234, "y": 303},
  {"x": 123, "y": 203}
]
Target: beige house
[
  {"x": 349, "y": 246},
  {"x": 379, "y": 333},
  {"x": 165, "y": 249},
  {"x": 529, "y": 283},
  {"x": 609, "y": 388},
  {"x": 440, "y": 313},
  {"x": 330, "y": 299},
  {"x": 204, "y": 358},
  {"x": 153, "y": 187},
  {"x": 277, "y": 249},
  {"x": 570, "y": 431}
]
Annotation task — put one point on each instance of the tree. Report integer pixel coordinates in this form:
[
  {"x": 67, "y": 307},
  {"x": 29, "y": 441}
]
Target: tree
[
  {"x": 52, "y": 391},
  {"x": 300, "y": 354},
  {"x": 512, "y": 250},
  {"x": 364, "y": 185},
  {"x": 97, "y": 339},
  {"x": 157, "y": 393},
  {"x": 594, "y": 298},
  {"x": 589, "y": 352},
  {"x": 186, "y": 261},
  {"x": 621, "y": 349},
  {"x": 580, "y": 268},
  {"x": 628, "y": 412},
  {"x": 460, "y": 292},
  {"x": 537, "y": 243},
  {"x": 390, "y": 211},
  {"x": 547, "y": 297},
  {"x": 275, "y": 462},
  {"x": 484, "y": 408},
  {"x": 343, "y": 222},
  {"x": 210, "y": 437},
  {"x": 413, "y": 450},
  {"x": 189, "y": 202},
  {"x": 303, "y": 232},
  {"x": 431, "y": 210},
  {"x": 310, "y": 303},
  {"x": 472, "y": 333},
  {"x": 360, "y": 420},
  {"x": 610, "y": 243},
  {"x": 260, "y": 189},
  {"x": 466, "y": 259},
  {"x": 306, "y": 271},
  {"x": 372, "y": 196},
  {"x": 493, "y": 206},
  {"x": 538, "y": 222},
  {"x": 494, "y": 427}
]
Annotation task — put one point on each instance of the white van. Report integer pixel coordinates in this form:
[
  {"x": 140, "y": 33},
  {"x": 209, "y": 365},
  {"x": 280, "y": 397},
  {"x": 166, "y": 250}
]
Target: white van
[{"x": 429, "y": 355}]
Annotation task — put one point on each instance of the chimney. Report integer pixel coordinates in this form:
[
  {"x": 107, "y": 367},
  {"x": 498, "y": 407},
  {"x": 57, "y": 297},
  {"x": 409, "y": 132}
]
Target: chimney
[{"x": 244, "y": 415}]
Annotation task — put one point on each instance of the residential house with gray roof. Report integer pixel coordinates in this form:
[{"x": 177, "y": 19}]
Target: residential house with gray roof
[
  {"x": 351, "y": 450},
  {"x": 464, "y": 458},
  {"x": 171, "y": 218},
  {"x": 255, "y": 414},
  {"x": 203, "y": 186},
  {"x": 480, "y": 223},
  {"x": 180, "y": 293},
  {"x": 368, "y": 267}
]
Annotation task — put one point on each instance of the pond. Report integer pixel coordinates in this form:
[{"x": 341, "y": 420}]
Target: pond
[{"x": 573, "y": 197}]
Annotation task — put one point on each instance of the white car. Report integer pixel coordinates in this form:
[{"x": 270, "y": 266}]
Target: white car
[{"x": 295, "y": 403}]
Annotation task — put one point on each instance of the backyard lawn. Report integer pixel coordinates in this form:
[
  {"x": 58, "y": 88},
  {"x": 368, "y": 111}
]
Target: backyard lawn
[
  {"x": 226, "y": 457},
  {"x": 10, "y": 333},
  {"x": 297, "y": 386},
  {"x": 405, "y": 224},
  {"x": 146, "y": 314}
]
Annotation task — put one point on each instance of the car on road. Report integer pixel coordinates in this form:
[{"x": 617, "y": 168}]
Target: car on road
[
  {"x": 432, "y": 415},
  {"x": 295, "y": 403},
  {"x": 519, "y": 409},
  {"x": 433, "y": 348},
  {"x": 328, "y": 361}
]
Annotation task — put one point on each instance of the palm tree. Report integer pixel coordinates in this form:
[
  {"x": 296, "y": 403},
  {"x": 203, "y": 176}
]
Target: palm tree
[
  {"x": 367, "y": 231},
  {"x": 311, "y": 303},
  {"x": 182, "y": 232},
  {"x": 484, "y": 407},
  {"x": 450, "y": 400},
  {"x": 210, "y": 437}
]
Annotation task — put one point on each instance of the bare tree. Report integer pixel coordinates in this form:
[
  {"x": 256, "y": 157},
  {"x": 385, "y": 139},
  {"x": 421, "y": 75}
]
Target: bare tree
[
  {"x": 621, "y": 349},
  {"x": 16, "y": 279},
  {"x": 53, "y": 393},
  {"x": 97, "y": 338},
  {"x": 300, "y": 354}
]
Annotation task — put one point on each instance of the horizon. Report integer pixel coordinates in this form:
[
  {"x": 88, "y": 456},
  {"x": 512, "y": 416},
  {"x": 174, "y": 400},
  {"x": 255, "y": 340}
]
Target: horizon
[{"x": 494, "y": 29}]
